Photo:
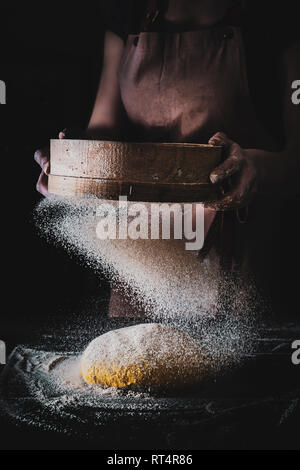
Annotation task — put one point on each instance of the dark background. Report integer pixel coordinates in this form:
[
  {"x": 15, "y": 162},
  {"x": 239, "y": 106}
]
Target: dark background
[{"x": 50, "y": 60}]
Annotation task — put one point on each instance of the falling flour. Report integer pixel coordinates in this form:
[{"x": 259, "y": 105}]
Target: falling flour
[
  {"x": 175, "y": 288},
  {"x": 172, "y": 284},
  {"x": 167, "y": 279}
]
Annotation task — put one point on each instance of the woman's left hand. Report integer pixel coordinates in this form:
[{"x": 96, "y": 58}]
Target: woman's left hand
[{"x": 237, "y": 171}]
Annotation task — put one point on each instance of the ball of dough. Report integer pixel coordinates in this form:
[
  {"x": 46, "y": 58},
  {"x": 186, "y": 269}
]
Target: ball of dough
[{"x": 149, "y": 354}]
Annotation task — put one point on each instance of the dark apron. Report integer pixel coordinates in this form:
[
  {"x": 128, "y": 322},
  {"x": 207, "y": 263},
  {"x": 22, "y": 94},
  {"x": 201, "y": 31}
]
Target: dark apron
[{"x": 185, "y": 87}]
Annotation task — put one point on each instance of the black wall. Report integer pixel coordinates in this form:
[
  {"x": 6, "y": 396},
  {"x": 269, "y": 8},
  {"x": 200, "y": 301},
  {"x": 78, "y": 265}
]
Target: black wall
[{"x": 50, "y": 59}]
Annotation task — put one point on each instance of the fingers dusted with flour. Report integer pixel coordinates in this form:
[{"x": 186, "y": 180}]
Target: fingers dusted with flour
[
  {"x": 237, "y": 172},
  {"x": 42, "y": 184},
  {"x": 42, "y": 158}
]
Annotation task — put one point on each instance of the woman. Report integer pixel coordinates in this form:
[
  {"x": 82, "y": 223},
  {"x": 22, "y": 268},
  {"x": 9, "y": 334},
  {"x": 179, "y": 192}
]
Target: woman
[{"x": 207, "y": 71}]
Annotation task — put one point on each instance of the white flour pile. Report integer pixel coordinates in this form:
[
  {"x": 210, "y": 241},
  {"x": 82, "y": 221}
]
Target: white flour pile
[
  {"x": 173, "y": 285},
  {"x": 46, "y": 390}
]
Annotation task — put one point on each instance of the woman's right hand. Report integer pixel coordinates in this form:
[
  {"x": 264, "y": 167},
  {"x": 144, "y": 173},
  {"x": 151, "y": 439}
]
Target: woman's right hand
[{"x": 42, "y": 158}]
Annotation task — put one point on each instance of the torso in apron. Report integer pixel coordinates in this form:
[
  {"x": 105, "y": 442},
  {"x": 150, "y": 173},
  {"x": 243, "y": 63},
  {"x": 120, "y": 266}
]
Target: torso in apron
[{"x": 185, "y": 87}]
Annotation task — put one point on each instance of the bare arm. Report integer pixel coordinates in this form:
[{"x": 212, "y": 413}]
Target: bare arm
[{"x": 108, "y": 113}]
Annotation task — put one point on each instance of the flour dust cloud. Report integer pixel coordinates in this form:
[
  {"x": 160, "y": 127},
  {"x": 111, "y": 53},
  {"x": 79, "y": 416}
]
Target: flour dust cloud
[{"x": 172, "y": 285}]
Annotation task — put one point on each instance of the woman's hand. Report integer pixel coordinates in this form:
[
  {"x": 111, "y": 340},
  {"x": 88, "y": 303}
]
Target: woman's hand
[
  {"x": 42, "y": 158},
  {"x": 237, "y": 173}
]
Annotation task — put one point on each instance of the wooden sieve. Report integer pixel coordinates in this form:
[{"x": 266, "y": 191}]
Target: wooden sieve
[{"x": 150, "y": 172}]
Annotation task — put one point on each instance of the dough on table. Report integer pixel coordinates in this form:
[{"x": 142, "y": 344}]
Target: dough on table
[{"x": 150, "y": 354}]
